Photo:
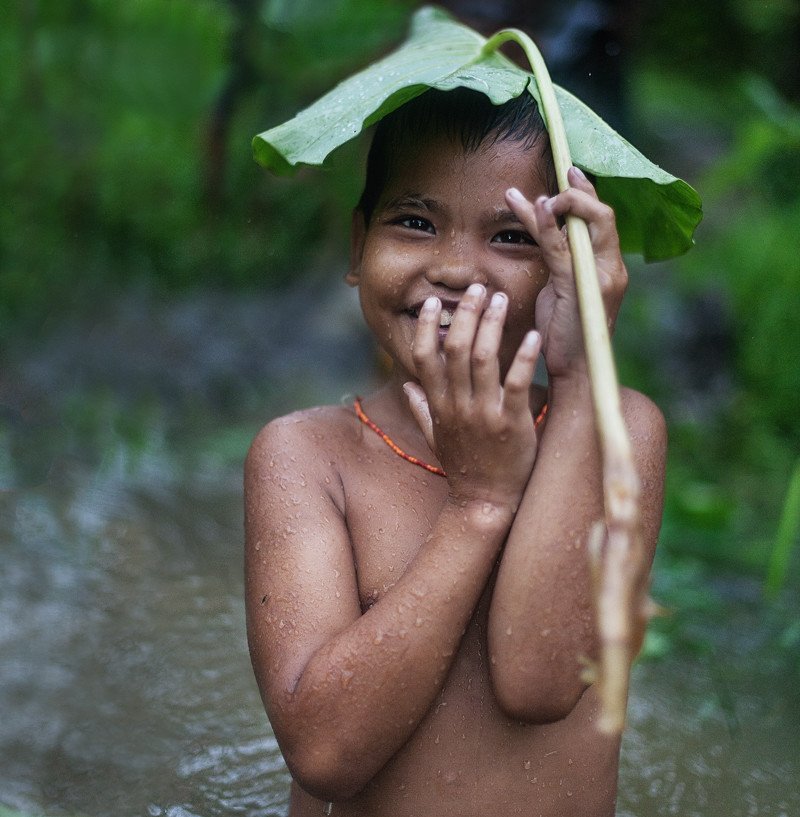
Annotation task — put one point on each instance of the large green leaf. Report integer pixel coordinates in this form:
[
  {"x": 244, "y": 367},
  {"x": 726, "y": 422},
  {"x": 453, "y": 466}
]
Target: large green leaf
[{"x": 656, "y": 212}]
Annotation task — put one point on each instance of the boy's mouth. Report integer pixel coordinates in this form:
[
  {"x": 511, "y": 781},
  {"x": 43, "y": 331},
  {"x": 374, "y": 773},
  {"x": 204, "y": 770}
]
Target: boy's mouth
[{"x": 445, "y": 317}]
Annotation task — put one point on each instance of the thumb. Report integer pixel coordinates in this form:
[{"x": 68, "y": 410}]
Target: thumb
[{"x": 418, "y": 403}]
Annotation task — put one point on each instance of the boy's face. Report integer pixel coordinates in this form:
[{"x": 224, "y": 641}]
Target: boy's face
[{"x": 441, "y": 224}]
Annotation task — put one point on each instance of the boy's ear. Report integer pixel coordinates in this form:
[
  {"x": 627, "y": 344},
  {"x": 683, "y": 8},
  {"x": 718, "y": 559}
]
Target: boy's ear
[{"x": 358, "y": 232}]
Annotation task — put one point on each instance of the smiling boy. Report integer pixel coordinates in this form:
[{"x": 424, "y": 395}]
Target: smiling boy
[{"x": 417, "y": 627}]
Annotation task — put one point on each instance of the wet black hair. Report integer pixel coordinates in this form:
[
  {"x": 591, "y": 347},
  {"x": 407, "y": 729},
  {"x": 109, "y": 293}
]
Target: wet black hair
[{"x": 467, "y": 116}]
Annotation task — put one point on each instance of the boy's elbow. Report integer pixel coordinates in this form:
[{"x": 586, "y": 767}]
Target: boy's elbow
[
  {"x": 532, "y": 700},
  {"x": 323, "y": 772}
]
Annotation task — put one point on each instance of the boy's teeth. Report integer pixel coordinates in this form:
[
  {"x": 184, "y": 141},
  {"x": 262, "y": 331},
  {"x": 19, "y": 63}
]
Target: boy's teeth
[{"x": 446, "y": 318}]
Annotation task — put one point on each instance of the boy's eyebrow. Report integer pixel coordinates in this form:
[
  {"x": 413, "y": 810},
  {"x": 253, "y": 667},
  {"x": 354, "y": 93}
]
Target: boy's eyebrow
[
  {"x": 416, "y": 200},
  {"x": 420, "y": 202},
  {"x": 502, "y": 215}
]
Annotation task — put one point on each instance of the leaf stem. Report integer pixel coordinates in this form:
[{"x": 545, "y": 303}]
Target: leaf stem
[{"x": 617, "y": 599}]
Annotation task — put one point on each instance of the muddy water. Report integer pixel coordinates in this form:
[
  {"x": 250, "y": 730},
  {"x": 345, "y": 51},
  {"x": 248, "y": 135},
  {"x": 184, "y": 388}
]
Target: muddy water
[{"x": 125, "y": 685}]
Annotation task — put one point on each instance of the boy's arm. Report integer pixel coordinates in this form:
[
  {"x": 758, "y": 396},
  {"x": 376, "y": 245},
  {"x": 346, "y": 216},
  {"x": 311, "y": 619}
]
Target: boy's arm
[
  {"x": 541, "y": 620},
  {"x": 541, "y": 624},
  {"x": 344, "y": 691}
]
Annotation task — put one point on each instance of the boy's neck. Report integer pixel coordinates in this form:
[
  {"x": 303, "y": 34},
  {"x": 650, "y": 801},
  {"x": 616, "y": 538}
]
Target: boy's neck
[{"x": 388, "y": 406}]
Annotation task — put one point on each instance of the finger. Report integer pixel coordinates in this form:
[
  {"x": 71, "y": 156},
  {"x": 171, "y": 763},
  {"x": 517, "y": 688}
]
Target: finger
[
  {"x": 485, "y": 359},
  {"x": 516, "y": 389},
  {"x": 577, "y": 178},
  {"x": 552, "y": 239},
  {"x": 540, "y": 220},
  {"x": 425, "y": 348},
  {"x": 598, "y": 216},
  {"x": 460, "y": 338},
  {"x": 418, "y": 403},
  {"x": 612, "y": 274},
  {"x": 523, "y": 209}
]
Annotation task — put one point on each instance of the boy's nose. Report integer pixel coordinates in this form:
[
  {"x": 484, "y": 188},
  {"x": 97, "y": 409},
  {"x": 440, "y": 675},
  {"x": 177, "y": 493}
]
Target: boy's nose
[{"x": 456, "y": 267}]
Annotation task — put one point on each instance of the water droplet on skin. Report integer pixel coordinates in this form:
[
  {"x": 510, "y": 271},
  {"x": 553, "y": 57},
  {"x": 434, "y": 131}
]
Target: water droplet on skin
[
  {"x": 418, "y": 622},
  {"x": 436, "y": 739},
  {"x": 527, "y": 764},
  {"x": 463, "y": 469},
  {"x": 346, "y": 678},
  {"x": 508, "y": 630}
]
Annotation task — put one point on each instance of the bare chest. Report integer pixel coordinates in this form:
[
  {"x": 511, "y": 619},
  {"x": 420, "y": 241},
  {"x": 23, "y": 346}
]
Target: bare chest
[{"x": 390, "y": 511}]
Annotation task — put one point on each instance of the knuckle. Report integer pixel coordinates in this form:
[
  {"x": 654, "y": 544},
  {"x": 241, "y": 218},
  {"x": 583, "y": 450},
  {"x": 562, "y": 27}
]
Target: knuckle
[
  {"x": 606, "y": 213},
  {"x": 454, "y": 346},
  {"x": 514, "y": 382},
  {"x": 418, "y": 354}
]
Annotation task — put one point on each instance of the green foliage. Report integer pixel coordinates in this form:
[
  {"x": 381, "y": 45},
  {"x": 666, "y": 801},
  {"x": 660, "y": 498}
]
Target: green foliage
[
  {"x": 730, "y": 501},
  {"x": 785, "y": 537},
  {"x": 125, "y": 152}
]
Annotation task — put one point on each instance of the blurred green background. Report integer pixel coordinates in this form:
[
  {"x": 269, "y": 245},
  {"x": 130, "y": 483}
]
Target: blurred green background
[{"x": 132, "y": 215}]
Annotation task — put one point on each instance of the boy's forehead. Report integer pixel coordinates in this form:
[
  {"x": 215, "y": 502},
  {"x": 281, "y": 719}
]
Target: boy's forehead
[{"x": 441, "y": 161}]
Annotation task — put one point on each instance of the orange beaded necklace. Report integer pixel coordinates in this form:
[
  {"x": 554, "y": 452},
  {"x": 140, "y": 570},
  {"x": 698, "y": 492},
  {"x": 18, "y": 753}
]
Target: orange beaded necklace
[{"x": 434, "y": 469}]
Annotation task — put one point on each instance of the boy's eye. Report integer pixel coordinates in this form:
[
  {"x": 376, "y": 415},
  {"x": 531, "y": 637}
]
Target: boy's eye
[
  {"x": 416, "y": 223},
  {"x": 513, "y": 237}
]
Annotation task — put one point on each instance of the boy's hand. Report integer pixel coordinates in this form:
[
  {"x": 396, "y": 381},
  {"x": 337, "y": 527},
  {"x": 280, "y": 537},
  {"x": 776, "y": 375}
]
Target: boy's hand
[
  {"x": 482, "y": 431},
  {"x": 557, "y": 315}
]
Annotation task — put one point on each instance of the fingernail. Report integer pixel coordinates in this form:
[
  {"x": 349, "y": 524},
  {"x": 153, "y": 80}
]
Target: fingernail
[
  {"x": 498, "y": 299},
  {"x": 531, "y": 339},
  {"x": 475, "y": 290},
  {"x": 430, "y": 303},
  {"x": 578, "y": 172},
  {"x": 515, "y": 194}
]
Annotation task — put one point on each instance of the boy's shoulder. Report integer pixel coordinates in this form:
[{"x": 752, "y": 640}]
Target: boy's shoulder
[
  {"x": 310, "y": 441},
  {"x": 314, "y": 429},
  {"x": 642, "y": 415}
]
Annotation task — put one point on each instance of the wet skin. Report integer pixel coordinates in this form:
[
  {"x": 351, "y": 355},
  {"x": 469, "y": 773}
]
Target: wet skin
[{"x": 417, "y": 640}]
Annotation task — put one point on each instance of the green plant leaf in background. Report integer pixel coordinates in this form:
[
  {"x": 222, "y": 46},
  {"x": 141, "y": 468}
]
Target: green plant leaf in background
[{"x": 656, "y": 212}]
